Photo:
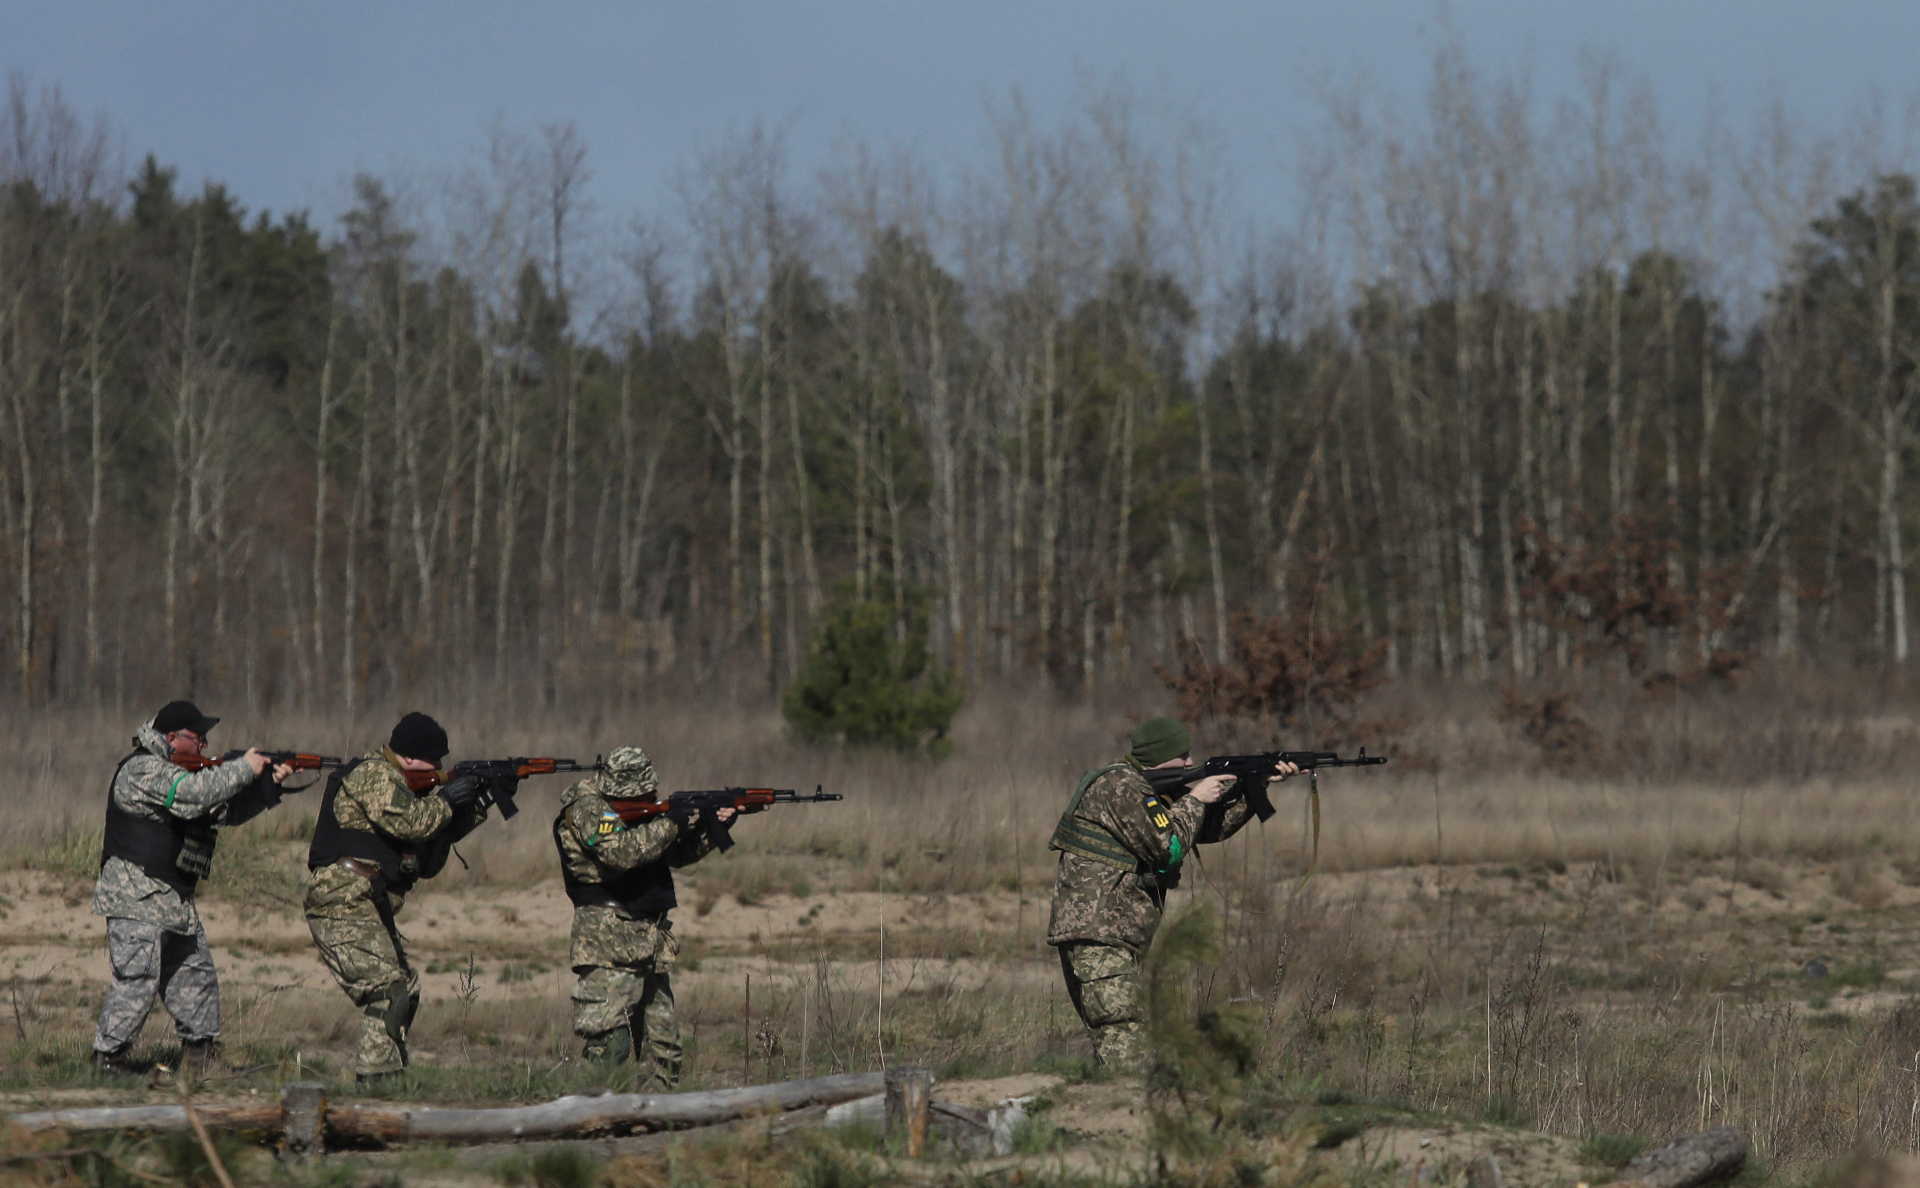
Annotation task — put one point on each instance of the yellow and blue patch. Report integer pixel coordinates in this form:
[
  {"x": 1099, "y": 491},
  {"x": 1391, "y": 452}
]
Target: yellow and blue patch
[
  {"x": 1159, "y": 813},
  {"x": 608, "y": 825}
]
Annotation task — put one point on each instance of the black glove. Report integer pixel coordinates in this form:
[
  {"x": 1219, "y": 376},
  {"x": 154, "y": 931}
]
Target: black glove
[
  {"x": 461, "y": 793},
  {"x": 682, "y": 815}
]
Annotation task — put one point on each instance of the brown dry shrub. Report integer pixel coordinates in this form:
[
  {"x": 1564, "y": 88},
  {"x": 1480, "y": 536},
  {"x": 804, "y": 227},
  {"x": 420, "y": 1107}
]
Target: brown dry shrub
[
  {"x": 1862, "y": 879},
  {"x": 1547, "y": 721},
  {"x": 1619, "y": 599},
  {"x": 1764, "y": 875},
  {"x": 1284, "y": 669}
]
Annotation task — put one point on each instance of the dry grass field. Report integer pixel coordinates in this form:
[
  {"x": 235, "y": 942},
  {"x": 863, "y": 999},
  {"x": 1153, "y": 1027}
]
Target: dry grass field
[{"x": 1489, "y": 956}]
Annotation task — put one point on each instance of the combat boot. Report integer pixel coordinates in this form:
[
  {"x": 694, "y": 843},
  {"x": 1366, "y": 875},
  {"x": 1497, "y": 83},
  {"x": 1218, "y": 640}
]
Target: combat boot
[
  {"x": 200, "y": 1059},
  {"x": 113, "y": 1064},
  {"x": 609, "y": 1047}
]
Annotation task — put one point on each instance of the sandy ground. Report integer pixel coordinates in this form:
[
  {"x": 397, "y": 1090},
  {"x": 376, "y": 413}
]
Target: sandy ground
[{"x": 508, "y": 949}]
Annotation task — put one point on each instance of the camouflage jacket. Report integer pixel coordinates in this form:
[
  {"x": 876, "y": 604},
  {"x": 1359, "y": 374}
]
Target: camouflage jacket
[
  {"x": 151, "y": 785},
  {"x": 1108, "y": 904},
  {"x": 374, "y": 797},
  {"x": 594, "y": 845}
]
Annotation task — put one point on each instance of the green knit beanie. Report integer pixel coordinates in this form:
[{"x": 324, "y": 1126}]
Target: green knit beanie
[{"x": 1157, "y": 740}]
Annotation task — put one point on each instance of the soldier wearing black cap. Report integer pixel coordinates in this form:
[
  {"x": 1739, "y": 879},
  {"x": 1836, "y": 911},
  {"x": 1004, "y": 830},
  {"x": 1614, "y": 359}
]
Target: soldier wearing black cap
[
  {"x": 162, "y": 822},
  {"x": 374, "y": 840}
]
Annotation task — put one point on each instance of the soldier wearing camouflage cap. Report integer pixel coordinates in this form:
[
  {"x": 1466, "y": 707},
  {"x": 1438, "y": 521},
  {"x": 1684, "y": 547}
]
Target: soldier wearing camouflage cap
[{"x": 620, "y": 879}]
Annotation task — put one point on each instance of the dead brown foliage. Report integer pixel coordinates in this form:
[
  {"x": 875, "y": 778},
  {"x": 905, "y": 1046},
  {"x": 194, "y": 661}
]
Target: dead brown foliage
[
  {"x": 1622, "y": 599},
  {"x": 1547, "y": 721},
  {"x": 1283, "y": 669}
]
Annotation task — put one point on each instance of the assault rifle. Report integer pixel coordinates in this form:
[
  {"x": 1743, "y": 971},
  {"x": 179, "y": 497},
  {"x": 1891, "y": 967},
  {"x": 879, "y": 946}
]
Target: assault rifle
[
  {"x": 1252, "y": 772},
  {"x": 499, "y": 778},
  {"x": 298, "y": 760},
  {"x": 705, "y": 804}
]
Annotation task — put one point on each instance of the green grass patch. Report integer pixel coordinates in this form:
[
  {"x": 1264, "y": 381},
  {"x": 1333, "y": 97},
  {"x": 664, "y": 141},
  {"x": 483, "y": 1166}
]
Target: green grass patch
[
  {"x": 1502, "y": 1110},
  {"x": 558, "y": 1167},
  {"x": 1866, "y": 975},
  {"x": 1610, "y": 1149}
]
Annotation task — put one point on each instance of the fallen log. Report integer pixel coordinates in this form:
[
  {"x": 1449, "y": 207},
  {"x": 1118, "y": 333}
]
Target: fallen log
[
  {"x": 383, "y": 1124},
  {"x": 261, "y": 1116},
  {"x": 583, "y": 1116}
]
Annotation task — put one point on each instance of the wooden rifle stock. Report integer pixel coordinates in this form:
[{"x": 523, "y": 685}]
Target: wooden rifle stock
[
  {"x": 704, "y": 804},
  {"x": 420, "y": 781},
  {"x": 746, "y": 800},
  {"x": 298, "y": 760}
]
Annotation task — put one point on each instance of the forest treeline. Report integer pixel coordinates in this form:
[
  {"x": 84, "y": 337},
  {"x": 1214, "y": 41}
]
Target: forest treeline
[{"x": 1517, "y": 393}]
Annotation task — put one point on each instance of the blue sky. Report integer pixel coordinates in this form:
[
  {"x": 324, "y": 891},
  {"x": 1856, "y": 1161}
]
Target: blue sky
[{"x": 284, "y": 100}]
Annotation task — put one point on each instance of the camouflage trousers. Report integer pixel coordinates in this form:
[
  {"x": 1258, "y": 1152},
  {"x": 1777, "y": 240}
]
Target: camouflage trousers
[
  {"x": 149, "y": 962},
  {"x": 623, "y": 1013},
  {"x": 1104, "y": 983},
  {"x": 623, "y": 1000},
  {"x": 369, "y": 962}
]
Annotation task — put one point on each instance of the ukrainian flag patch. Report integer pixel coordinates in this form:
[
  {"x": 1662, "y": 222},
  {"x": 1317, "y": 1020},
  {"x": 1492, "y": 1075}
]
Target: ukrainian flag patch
[{"x": 608, "y": 825}]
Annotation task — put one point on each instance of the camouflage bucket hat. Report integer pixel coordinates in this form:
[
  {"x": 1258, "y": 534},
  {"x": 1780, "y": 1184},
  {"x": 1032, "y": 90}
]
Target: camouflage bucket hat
[{"x": 629, "y": 773}]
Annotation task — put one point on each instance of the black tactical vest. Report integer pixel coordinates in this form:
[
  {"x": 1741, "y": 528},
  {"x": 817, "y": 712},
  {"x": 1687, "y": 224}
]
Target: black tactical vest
[
  {"x": 332, "y": 842},
  {"x": 644, "y": 892},
  {"x": 176, "y": 852}
]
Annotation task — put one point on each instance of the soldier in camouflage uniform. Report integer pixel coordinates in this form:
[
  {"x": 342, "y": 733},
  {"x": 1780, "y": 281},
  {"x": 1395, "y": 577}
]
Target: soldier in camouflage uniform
[
  {"x": 1121, "y": 844},
  {"x": 620, "y": 879},
  {"x": 375, "y": 838},
  {"x": 162, "y": 822}
]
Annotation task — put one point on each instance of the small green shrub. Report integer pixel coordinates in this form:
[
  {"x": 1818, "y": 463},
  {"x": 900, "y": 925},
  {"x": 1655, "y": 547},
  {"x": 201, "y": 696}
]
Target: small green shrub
[
  {"x": 822, "y": 1165},
  {"x": 1505, "y": 1111},
  {"x": 1036, "y": 1134},
  {"x": 1606, "y": 1148},
  {"x": 870, "y": 680},
  {"x": 186, "y": 1160}
]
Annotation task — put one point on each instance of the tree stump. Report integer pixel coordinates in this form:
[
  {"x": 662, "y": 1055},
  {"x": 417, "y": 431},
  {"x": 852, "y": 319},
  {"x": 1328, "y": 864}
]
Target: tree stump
[
  {"x": 909, "y": 1102},
  {"x": 305, "y": 1124}
]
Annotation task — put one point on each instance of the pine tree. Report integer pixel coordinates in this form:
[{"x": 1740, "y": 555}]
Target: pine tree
[{"x": 869, "y": 679}]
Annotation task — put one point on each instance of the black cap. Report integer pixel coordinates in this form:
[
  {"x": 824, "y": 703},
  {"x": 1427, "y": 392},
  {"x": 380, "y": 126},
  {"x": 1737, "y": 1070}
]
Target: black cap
[
  {"x": 183, "y": 715},
  {"x": 417, "y": 736}
]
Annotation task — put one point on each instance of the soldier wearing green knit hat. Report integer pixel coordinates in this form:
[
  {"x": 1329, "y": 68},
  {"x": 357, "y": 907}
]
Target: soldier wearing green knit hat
[{"x": 1121, "y": 842}]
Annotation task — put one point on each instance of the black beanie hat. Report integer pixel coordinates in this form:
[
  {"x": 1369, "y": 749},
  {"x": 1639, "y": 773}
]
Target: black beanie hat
[
  {"x": 417, "y": 736},
  {"x": 182, "y": 715}
]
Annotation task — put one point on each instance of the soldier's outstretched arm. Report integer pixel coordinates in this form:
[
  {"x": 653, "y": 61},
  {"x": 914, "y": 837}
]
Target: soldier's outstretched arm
[{"x": 155, "y": 783}]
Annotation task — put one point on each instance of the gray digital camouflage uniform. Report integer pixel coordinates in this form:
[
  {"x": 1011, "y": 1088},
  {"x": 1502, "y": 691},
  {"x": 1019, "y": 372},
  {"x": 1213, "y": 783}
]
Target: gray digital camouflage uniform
[
  {"x": 1127, "y": 844},
  {"x": 364, "y": 954},
  {"x": 155, "y": 943},
  {"x": 623, "y": 998}
]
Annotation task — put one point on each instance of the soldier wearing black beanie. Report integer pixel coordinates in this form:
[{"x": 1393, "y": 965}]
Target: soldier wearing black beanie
[
  {"x": 417, "y": 736},
  {"x": 374, "y": 840}
]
